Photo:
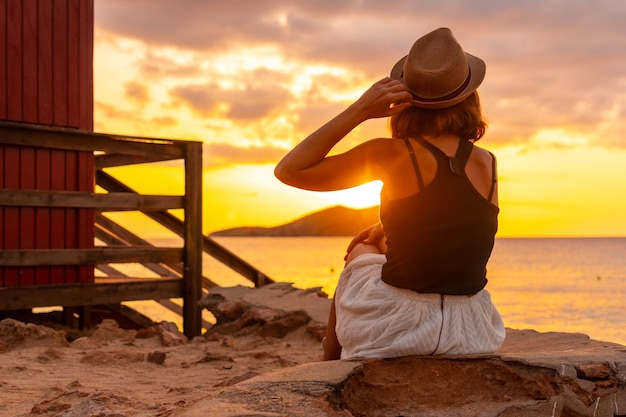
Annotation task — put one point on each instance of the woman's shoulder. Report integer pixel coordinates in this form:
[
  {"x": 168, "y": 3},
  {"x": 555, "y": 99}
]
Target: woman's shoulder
[
  {"x": 386, "y": 152},
  {"x": 384, "y": 146},
  {"x": 483, "y": 153},
  {"x": 482, "y": 157}
]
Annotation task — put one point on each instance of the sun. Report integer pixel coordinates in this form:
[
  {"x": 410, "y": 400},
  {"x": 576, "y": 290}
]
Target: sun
[{"x": 363, "y": 196}]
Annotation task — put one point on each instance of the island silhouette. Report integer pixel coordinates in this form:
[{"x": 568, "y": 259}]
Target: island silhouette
[{"x": 333, "y": 221}]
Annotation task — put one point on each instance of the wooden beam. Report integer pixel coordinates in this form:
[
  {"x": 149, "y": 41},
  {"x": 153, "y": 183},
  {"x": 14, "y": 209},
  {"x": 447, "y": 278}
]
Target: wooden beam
[
  {"x": 209, "y": 245},
  {"x": 78, "y": 199},
  {"x": 108, "y": 269},
  {"x": 127, "y": 313},
  {"x": 192, "y": 235},
  {"x": 112, "y": 233},
  {"x": 23, "y": 134},
  {"x": 52, "y": 257},
  {"x": 109, "y": 239},
  {"x": 123, "y": 235},
  {"x": 116, "y": 160},
  {"x": 68, "y": 295}
]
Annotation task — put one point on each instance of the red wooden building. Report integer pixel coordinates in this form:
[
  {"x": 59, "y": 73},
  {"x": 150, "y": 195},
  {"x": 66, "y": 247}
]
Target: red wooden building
[
  {"x": 50, "y": 163},
  {"x": 46, "y": 77}
]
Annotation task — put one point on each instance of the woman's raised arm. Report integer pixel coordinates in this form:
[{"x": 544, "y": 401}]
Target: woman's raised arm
[{"x": 308, "y": 166}]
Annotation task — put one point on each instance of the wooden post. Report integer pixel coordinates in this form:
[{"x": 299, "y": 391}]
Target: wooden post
[{"x": 192, "y": 254}]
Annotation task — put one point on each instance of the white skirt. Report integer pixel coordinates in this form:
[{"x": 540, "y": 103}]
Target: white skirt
[{"x": 377, "y": 320}]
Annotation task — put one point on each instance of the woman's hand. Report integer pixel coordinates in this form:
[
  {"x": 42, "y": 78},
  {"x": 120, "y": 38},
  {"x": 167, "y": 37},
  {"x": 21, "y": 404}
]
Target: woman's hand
[
  {"x": 374, "y": 235},
  {"x": 384, "y": 98}
]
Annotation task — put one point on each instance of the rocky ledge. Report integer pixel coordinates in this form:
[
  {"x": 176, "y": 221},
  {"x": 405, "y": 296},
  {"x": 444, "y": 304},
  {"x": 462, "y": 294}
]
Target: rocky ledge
[{"x": 533, "y": 374}]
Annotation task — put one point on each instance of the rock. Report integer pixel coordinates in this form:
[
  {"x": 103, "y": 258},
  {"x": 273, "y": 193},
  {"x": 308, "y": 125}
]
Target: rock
[
  {"x": 211, "y": 357},
  {"x": 46, "y": 407},
  {"x": 289, "y": 322},
  {"x": 146, "y": 333},
  {"x": 265, "y": 322},
  {"x": 593, "y": 371},
  {"x": 157, "y": 357},
  {"x": 259, "y": 315},
  {"x": 280, "y": 295},
  {"x": 535, "y": 374},
  {"x": 231, "y": 310},
  {"x": 239, "y": 316},
  {"x": 586, "y": 385},
  {"x": 15, "y": 334},
  {"x": 211, "y": 302},
  {"x": 170, "y": 335}
]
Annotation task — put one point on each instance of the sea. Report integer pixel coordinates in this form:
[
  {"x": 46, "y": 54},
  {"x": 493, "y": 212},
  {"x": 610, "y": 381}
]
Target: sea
[{"x": 575, "y": 285}]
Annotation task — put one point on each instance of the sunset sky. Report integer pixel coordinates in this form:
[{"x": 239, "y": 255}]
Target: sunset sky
[{"x": 252, "y": 78}]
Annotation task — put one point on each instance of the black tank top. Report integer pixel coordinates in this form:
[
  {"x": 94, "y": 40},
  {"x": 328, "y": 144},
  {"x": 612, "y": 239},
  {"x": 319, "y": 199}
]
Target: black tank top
[{"x": 440, "y": 239}]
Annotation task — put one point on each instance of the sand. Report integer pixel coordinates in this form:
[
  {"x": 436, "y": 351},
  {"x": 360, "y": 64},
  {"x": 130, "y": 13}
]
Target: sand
[
  {"x": 114, "y": 375},
  {"x": 113, "y": 372},
  {"x": 117, "y": 372}
]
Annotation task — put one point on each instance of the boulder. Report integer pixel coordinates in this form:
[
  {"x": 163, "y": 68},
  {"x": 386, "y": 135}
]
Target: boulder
[
  {"x": 240, "y": 310},
  {"x": 534, "y": 374}
]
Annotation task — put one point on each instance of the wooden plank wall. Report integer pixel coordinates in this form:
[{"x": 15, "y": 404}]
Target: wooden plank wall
[{"x": 46, "y": 77}]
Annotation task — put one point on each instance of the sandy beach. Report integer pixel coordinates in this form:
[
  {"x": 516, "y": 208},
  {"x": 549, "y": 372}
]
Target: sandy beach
[
  {"x": 110, "y": 372},
  {"x": 266, "y": 361},
  {"x": 117, "y": 372}
]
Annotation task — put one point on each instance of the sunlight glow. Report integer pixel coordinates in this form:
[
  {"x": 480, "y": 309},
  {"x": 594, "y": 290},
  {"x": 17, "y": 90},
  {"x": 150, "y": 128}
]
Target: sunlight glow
[
  {"x": 562, "y": 191},
  {"x": 363, "y": 196},
  {"x": 559, "y": 137},
  {"x": 248, "y": 59},
  {"x": 540, "y": 193},
  {"x": 305, "y": 76}
]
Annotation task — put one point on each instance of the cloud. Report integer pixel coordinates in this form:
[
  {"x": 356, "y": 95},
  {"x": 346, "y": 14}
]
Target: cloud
[
  {"x": 137, "y": 91},
  {"x": 242, "y": 67},
  {"x": 255, "y": 95},
  {"x": 198, "y": 97},
  {"x": 224, "y": 154}
]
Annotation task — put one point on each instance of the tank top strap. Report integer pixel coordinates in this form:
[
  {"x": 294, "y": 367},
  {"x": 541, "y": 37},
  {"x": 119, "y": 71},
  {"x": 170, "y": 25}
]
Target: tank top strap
[
  {"x": 437, "y": 153},
  {"x": 494, "y": 177},
  {"x": 457, "y": 164},
  {"x": 418, "y": 174}
]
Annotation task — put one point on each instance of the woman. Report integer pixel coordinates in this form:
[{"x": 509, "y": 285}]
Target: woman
[{"x": 418, "y": 287}]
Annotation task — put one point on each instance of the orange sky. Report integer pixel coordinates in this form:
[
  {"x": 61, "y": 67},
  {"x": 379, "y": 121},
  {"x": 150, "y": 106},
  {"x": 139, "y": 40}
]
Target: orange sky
[{"x": 252, "y": 78}]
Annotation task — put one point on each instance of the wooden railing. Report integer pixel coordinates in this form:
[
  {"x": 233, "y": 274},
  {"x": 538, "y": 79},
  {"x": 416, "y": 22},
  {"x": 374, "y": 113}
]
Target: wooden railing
[{"x": 179, "y": 269}]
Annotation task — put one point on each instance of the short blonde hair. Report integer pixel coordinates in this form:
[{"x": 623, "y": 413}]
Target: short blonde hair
[{"x": 464, "y": 119}]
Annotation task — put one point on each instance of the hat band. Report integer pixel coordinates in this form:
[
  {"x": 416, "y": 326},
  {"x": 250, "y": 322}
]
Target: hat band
[{"x": 449, "y": 96}]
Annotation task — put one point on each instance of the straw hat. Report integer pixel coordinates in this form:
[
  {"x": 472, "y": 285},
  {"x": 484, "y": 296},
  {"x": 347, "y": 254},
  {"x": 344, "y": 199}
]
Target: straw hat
[{"x": 438, "y": 72}]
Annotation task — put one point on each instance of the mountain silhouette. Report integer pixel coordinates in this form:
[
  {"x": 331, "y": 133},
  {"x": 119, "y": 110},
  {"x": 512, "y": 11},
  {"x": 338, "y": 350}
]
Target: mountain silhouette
[{"x": 334, "y": 221}]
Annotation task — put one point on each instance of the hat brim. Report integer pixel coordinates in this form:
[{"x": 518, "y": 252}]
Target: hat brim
[{"x": 477, "y": 68}]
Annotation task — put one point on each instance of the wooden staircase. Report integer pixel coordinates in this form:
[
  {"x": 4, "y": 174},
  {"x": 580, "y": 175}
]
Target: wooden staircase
[{"x": 179, "y": 269}]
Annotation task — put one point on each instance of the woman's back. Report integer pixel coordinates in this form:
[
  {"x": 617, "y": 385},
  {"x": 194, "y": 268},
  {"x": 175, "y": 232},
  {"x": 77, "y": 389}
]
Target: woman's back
[
  {"x": 440, "y": 238},
  {"x": 402, "y": 181}
]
